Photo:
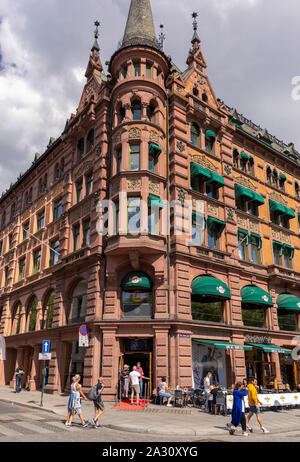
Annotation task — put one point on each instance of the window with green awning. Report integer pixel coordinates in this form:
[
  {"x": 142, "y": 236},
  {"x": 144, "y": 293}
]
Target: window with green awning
[
  {"x": 154, "y": 201},
  {"x": 199, "y": 219},
  {"x": 154, "y": 149},
  {"x": 253, "y": 238},
  {"x": 198, "y": 170},
  {"x": 275, "y": 207},
  {"x": 210, "y": 286},
  {"x": 244, "y": 156},
  {"x": 223, "y": 345},
  {"x": 213, "y": 224},
  {"x": 253, "y": 295},
  {"x": 248, "y": 195},
  {"x": 282, "y": 176},
  {"x": 270, "y": 348},
  {"x": 288, "y": 302},
  {"x": 218, "y": 180},
  {"x": 210, "y": 134},
  {"x": 136, "y": 280}
]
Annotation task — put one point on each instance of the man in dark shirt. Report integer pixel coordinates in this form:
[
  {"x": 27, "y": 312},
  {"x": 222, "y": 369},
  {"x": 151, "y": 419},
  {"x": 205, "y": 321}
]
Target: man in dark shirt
[
  {"x": 19, "y": 378},
  {"x": 98, "y": 403},
  {"x": 214, "y": 392}
]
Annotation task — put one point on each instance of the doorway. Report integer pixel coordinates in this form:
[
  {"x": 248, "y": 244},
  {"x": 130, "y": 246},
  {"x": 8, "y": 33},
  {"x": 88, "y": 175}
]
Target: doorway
[
  {"x": 29, "y": 352},
  {"x": 135, "y": 351}
]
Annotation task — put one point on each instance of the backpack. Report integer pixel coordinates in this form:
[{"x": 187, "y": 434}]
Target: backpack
[{"x": 92, "y": 394}]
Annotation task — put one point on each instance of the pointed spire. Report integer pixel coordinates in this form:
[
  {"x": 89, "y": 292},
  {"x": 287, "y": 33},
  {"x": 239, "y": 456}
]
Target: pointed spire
[
  {"x": 96, "y": 46},
  {"x": 195, "y": 38},
  {"x": 94, "y": 65},
  {"x": 140, "y": 26}
]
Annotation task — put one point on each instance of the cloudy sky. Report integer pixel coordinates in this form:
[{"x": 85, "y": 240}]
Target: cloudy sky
[{"x": 251, "y": 48}]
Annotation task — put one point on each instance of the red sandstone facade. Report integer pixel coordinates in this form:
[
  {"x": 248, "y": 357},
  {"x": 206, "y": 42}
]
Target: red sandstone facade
[{"x": 45, "y": 296}]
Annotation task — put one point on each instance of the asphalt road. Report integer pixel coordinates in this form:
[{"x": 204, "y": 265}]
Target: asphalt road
[{"x": 19, "y": 424}]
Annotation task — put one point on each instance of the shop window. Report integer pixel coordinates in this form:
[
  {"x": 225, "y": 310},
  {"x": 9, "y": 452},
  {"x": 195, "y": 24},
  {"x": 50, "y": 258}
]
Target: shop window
[
  {"x": 54, "y": 253},
  {"x": 209, "y": 310},
  {"x": 136, "y": 110},
  {"x": 36, "y": 261},
  {"x": 90, "y": 140},
  {"x": 21, "y": 269},
  {"x": 195, "y": 134},
  {"x": 287, "y": 320},
  {"x": 48, "y": 311},
  {"x": 134, "y": 161},
  {"x": 31, "y": 315},
  {"x": 137, "y": 299},
  {"x": 134, "y": 214},
  {"x": 254, "y": 315},
  {"x": 80, "y": 149}
]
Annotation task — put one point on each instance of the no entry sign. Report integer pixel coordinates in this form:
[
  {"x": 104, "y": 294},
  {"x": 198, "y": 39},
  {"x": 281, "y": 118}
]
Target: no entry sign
[{"x": 83, "y": 336}]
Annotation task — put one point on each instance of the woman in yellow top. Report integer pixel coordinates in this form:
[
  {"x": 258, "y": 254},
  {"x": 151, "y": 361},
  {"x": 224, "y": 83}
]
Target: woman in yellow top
[{"x": 254, "y": 404}]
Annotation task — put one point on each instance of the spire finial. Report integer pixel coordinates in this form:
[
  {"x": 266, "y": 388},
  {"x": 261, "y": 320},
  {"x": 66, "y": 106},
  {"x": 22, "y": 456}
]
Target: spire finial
[
  {"x": 196, "y": 38},
  {"x": 96, "y": 35},
  {"x": 161, "y": 37}
]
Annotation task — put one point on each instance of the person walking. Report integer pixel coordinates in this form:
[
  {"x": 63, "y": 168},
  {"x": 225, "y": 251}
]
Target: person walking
[
  {"x": 74, "y": 406},
  {"x": 75, "y": 380},
  {"x": 134, "y": 379},
  {"x": 19, "y": 378},
  {"x": 98, "y": 403},
  {"x": 140, "y": 370},
  {"x": 254, "y": 405},
  {"x": 206, "y": 383},
  {"x": 238, "y": 411}
]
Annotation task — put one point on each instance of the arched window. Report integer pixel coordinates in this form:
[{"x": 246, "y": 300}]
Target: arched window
[
  {"x": 136, "y": 110},
  {"x": 288, "y": 309},
  {"x": 80, "y": 148},
  {"x": 31, "y": 315},
  {"x": 151, "y": 112},
  {"x": 137, "y": 300},
  {"x": 255, "y": 302},
  {"x": 48, "y": 311},
  {"x": 210, "y": 138},
  {"x": 236, "y": 156},
  {"x": 195, "y": 134},
  {"x": 121, "y": 114},
  {"x": 90, "y": 140},
  {"x": 78, "y": 303},
  {"x": 208, "y": 297}
]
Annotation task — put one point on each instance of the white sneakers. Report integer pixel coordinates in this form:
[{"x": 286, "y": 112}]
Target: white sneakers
[
  {"x": 169, "y": 405},
  {"x": 264, "y": 430}
]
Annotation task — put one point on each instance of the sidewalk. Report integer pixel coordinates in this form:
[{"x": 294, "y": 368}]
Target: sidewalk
[{"x": 155, "y": 419}]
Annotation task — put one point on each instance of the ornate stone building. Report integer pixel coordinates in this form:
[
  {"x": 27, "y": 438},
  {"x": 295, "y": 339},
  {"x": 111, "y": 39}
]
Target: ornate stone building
[{"x": 145, "y": 135}]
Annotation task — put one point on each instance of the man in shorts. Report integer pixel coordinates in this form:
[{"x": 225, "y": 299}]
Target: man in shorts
[
  {"x": 98, "y": 403},
  {"x": 254, "y": 405},
  {"x": 134, "y": 379}
]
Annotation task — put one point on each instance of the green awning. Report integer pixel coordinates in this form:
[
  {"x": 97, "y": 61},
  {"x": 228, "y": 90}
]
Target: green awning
[
  {"x": 207, "y": 285},
  {"x": 288, "y": 250},
  {"x": 269, "y": 169},
  {"x": 250, "y": 196},
  {"x": 136, "y": 280},
  {"x": 223, "y": 345},
  {"x": 281, "y": 209},
  {"x": 251, "y": 160},
  {"x": 244, "y": 156},
  {"x": 210, "y": 134},
  {"x": 270, "y": 348},
  {"x": 288, "y": 302},
  {"x": 255, "y": 237},
  {"x": 198, "y": 170},
  {"x": 218, "y": 180},
  {"x": 215, "y": 224},
  {"x": 282, "y": 176},
  {"x": 154, "y": 149},
  {"x": 243, "y": 231},
  {"x": 155, "y": 202},
  {"x": 235, "y": 152},
  {"x": 253, "y": 295}
]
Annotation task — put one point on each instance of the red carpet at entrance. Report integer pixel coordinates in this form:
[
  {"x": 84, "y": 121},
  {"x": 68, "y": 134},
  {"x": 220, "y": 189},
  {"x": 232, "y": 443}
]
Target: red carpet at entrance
[{"x": 125, "y": 405}]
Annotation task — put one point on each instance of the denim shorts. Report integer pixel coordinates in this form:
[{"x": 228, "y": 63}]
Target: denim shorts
[
  {"x": 254, "y": 410},
  {"x": 165, "y": 395}
]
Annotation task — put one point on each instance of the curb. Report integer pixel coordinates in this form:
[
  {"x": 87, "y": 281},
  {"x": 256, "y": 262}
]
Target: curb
[
  {"x": 29, "y": 406},
  {"x": 155, "y": 431}
]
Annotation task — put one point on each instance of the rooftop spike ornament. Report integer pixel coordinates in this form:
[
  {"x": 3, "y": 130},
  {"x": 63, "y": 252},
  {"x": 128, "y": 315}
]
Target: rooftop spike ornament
[
  {"x": 161, "y": 38},
  {"x": 195, "y": 38},
  {"x": 96, "y": 35}
]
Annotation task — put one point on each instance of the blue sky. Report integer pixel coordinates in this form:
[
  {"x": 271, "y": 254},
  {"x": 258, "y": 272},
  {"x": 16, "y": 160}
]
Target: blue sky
[{"x": 251, "y": 48}]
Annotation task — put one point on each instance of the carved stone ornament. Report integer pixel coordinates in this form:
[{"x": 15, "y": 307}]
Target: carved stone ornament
[
  {"x": 204, "y": 162},
  {"x": 286, "y": 238},
  {"x": 213, "y": 210},
  {"x": 154, "y": 187},
  {"x": 134, "y": 133},
  {"x": 83, "y": 168},
  {"x": 198, "y": 205},
  {"x": 262, "y": 339},
  {"x": 241, "y": 221},
  {"x": 227, "y": 170},
  {"x": 134, "y": 184},
  {"x": 230, "y": 213},
  {"x": 99, "y": 151},
  {"x": 277, "y": 198},
  {"x": 244, "y": 182},
  {"x": 181, "y": 195},
  {"x": 154, "y": 136},
  {"x": 275, "y": 235},
  {"x": 254, "y": 227},
  {"x": 180, "y": 146}
]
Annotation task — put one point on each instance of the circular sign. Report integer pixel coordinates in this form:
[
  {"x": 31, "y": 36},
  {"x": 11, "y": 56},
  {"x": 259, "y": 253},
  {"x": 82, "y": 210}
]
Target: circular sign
[{"x": 83, "y": 330}]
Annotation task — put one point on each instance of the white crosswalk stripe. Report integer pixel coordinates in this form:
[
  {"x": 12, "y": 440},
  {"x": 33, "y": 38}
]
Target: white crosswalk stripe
[{"x": 35, "y": 428}]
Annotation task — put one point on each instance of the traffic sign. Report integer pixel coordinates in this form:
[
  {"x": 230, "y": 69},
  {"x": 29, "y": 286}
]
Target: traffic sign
[
  {"x": 44, "y": 356},
  {"x": 83, "y": 330},
  {"x": 46, "y": 346}
]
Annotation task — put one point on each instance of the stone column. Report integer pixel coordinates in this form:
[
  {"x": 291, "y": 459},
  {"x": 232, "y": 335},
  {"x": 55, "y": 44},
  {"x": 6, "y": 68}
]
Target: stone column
[
  {"x": 161, "y": 354},
  {"x": 35, "y": 369},
  {"x": 181, "y": 359},
  {"x": 110, "y": 361}
]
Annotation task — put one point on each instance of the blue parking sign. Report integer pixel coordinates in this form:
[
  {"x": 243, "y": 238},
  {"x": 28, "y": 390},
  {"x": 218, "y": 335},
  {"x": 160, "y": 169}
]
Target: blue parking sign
[{"x": 46, "y": 346}]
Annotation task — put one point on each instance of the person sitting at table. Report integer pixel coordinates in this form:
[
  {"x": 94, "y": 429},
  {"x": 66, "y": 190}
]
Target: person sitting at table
[
  {"x": 287, "y": 388},
  {"x": 163, "y": 390}
]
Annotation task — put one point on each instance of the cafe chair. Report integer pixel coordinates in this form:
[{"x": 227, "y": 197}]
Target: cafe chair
[
  {"x": 158, "y": 399},
  {"x": 178, "y": 398}
]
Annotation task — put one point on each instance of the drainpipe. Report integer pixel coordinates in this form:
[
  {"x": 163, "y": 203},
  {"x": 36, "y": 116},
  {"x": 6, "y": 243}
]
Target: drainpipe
[{"x": 168, "y": 234}]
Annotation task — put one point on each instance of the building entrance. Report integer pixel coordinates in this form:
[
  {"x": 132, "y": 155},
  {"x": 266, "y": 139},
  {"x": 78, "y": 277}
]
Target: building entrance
[{"x": 135, "y": 351}]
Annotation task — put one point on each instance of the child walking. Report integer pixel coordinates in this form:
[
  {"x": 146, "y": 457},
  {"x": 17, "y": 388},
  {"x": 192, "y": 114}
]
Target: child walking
[
  {"x": 74, "y": 407},
  {"x": 98, "y": 403}
]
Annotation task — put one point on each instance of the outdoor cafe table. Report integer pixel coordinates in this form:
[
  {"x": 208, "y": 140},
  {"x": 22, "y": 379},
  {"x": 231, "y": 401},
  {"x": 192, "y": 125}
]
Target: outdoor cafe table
[{"x": 271, "y": 400}]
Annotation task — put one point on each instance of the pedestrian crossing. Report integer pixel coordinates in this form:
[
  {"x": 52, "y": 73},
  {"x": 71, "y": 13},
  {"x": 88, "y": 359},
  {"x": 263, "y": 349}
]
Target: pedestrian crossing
[{"x": 25, "y": 424}]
